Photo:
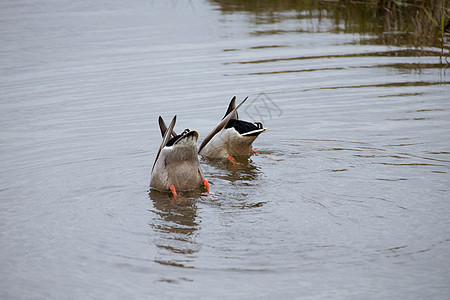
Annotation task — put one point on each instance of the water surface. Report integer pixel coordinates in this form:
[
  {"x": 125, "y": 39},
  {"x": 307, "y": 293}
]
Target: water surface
[{"x": 348, "y": 197}]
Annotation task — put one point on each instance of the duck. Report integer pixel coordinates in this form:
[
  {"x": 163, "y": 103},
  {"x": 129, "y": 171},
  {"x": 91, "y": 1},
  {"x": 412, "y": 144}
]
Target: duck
[
  {"x": 232, "y": 137},
  {"x": 176, "y": 165}
]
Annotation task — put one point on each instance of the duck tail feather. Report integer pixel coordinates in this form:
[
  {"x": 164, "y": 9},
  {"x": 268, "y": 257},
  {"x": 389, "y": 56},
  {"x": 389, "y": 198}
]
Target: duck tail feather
[
  {"x": 163, "y": 127},
  {"x": 166, "y": 138},
  {"x": 222, "y": 124}
]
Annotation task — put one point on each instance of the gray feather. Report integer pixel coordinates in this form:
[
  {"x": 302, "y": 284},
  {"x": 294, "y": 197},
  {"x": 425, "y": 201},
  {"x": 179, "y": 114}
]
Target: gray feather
[
  {"x": 166, "y": 138},
  {"x": 163, "y": 127}
]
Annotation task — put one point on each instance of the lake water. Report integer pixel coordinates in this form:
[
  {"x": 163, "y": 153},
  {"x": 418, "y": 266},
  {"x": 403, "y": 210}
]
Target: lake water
[{"x": 348, "y": 198}]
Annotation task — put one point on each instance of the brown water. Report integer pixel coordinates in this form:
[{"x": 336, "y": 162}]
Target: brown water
[{"x": 348, "y": 198}]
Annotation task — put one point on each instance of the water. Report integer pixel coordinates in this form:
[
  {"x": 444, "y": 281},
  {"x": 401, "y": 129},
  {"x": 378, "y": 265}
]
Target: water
[{"x": 348, "y": 197}]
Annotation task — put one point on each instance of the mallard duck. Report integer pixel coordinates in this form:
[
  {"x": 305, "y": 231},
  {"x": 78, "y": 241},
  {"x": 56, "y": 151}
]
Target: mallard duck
[
  {"x": 176, "y": 165},
  {"x": 231, "y": 137}
]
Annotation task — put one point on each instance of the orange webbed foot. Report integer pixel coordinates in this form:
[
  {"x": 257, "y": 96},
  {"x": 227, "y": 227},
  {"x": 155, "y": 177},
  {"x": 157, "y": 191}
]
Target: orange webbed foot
[
  {"x": 206, "y": 184},
  {"x": 232, "y": 160},
  {"x": 255, "y": 152},
  {"x": 173, "y": 190},
  {"x": 177, "y": 199}
]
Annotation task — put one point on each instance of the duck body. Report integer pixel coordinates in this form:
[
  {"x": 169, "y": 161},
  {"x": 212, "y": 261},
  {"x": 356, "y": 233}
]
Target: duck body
[
  {"x": 235, "y": 139},
  {"x": 177, "y": 161},
  {"x": 232, "y": 137}
]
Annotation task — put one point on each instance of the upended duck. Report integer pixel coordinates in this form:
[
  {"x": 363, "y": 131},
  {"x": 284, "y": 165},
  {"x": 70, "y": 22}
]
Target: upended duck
[
  {"x": 231, "y": 137},
  {"x": 176, "y": 166}
]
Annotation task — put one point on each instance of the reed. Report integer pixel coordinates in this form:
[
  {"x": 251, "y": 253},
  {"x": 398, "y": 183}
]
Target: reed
[
  {"x": 442, "y": 23},
  {"x": 417, "y": 23}
]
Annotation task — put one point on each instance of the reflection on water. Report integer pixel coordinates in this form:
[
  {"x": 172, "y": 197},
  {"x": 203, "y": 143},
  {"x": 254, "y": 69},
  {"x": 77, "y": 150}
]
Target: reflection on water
[
  {"x": 406, "y": 67},
  {"x": 176, "y": 225},
  {"x": 360, "y": 154},
  {"x": 408, "y": 23},
  {"x": 245, "y": 170},
  {"x": 394, "y": 53},
  {"x": 177, "y": 222}
]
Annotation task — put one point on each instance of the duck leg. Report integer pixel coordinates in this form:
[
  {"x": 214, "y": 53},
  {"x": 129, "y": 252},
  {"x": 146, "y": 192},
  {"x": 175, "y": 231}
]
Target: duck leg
[
  {"x": 177, "y": 199},
  {"x": 231, "y": 158},
  {"x": 173, "y": 190},
  {"x": 206, "y": 184}
]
